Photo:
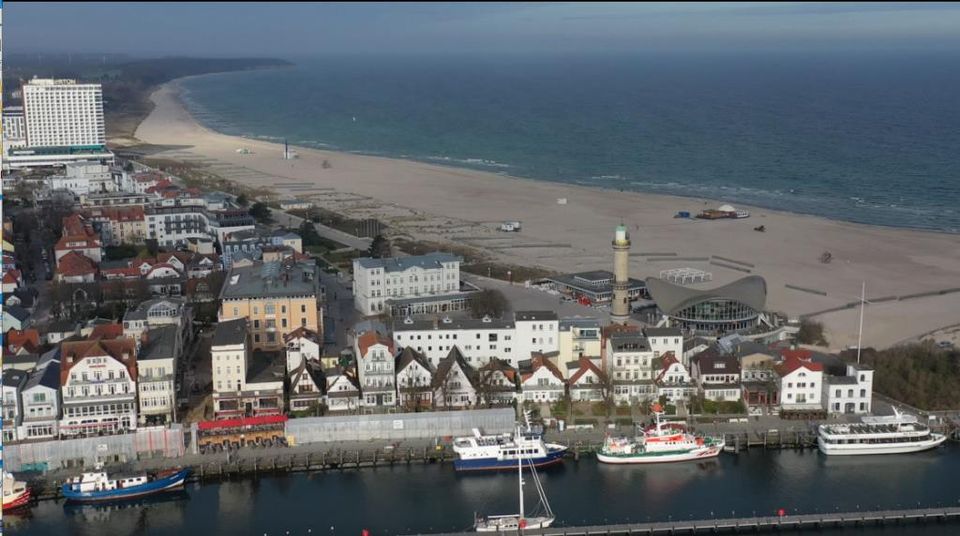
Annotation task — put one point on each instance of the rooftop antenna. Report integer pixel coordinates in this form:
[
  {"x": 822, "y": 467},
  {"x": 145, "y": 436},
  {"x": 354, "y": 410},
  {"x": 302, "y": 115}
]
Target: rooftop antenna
[{"x": 863, "y": 292}]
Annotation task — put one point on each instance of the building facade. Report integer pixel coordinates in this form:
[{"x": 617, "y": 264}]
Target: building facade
[
  {"x": 98, "y": 385},
  {"x": 63, "y": 113},
  {"x": 378, "y": 281},
  {"x": 377, "y": 369}
]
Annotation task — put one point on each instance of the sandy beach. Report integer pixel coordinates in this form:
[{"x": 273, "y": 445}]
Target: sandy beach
[{"x": 464, "y": 206}]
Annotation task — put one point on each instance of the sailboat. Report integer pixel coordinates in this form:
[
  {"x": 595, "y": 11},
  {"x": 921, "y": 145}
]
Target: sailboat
[{"x": 517, "y": 522}]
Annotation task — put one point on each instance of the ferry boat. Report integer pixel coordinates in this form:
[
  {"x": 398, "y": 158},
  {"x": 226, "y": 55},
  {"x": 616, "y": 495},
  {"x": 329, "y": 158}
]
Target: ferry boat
[
  {"x": 15, "y": 492},
  {"x": 661, "y": 444},
  {"x": 892, "y": 434},
  {"x": 542, "y": 519},
  {"x": 498, "y": 452},
  {"x": 98, "y": 487}
]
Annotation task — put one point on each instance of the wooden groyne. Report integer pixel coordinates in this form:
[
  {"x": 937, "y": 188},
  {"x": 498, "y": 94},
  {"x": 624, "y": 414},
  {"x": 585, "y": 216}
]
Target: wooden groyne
[{"x": 756, "y": 524}]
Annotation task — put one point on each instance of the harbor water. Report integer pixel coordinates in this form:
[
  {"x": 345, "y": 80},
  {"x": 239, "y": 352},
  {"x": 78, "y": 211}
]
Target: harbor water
[{"x": 433, "y": 498}]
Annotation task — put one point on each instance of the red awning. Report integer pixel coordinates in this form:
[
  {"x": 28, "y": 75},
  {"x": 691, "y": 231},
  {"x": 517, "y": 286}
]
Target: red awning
[{"x": 241, "y": 422}]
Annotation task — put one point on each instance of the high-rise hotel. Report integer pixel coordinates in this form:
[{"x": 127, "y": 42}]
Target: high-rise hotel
[{"x": 63, "y": 113}]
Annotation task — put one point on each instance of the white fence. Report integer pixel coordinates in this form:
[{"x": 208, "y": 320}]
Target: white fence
[{"x": 396, "y": 426}]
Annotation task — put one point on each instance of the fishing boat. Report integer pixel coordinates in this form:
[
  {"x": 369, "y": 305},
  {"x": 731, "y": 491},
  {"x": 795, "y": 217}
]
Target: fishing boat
[
  {"x": 98, "y": 487},
  {"x": 498, "y": 452},
  {"x": 516, "y": 522},
  {"x": 15, "y": 492},
  {"x": 892, "y": 434},
  {"x": 662, "y": 443}
]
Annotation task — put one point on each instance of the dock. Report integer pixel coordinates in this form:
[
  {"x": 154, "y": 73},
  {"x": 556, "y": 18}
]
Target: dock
[{"x": 757, "y": 524}]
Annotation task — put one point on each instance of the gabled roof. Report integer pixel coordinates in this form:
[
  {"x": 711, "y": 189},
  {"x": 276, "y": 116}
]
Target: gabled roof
[
  {"x": 72, "y": 352},
  {"x": 408, "y": 355},
  {"x": 303, "y": 332},
  {"x": 667, "y": 361},
  {"x": 335, "y": 374},
  {"x": 446, "y": 365},
  {"x": 586, "y": 365},
  {"x": 539, "y": 361},
  {"x": 11, "y": 276},
  {"x": 750, "y": 291},
  {"x": 27, "y": 339},
  {"x": 17, "y": 312},
  {"x": 711, "y": 363},
  {"x": 48, "y": 376},
  {"x": 75, "y": 264},
  {"x": 313, "y": 371},
  {"x": 371, "y": 338},
  {"x": 400, "y": 264},
  {"x": 14, "y": 378},
  {"x": 504, "y": 367}
]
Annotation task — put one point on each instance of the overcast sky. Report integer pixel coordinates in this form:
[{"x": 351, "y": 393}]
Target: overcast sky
[{"x": 289, "y": 30}]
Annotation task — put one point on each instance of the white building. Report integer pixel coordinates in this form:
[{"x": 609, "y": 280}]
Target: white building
[
  {"x": 587, "y": 382},
  {"x": 98, "y": 386},
  {"x": 851, "y": 393},
  {"x": 82, "y": 178},
  {"x": 245, "y": 382},
  {"x": 541, "y": 381},
  {"x": 228, "y": 354},
  {"x": 157, "y": 366},
  {"x": 62, "y": 113},
  {"x": 376, "y": 367},
  {"x": 629, "y": 362},
  {"x": 306, "y": 386},
  {"x": 343, "y": 392},
  {"x": 414, "y": 380},
  {"x": 375, "y": 281},
  {"x": 480, "y": 340},
  {"x": 157, "y": 312},
  {"x": 718, "y": 376},
  {"x": 302, "y": 344},
  {"x": 666, "y": 340},
  {"x": 453, "y": 385},
  {"x": 14, "y": 128},
  {"x": 579, "y": 337},
  {"x": 41, "y": 402},
  {"x": 674, "y": 381},
  {"x": 13, "y": 382},
  {"x": 172, "y": 226},
  {"x": 801, "y": 384}
]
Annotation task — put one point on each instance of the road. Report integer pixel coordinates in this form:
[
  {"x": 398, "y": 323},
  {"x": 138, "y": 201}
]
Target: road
[{"x": 339, "y": 314}]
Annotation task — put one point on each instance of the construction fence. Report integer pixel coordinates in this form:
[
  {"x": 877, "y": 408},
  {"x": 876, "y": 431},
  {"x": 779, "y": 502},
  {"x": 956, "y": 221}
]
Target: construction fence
[
  {"x": 152, "y": 442},
  {"x": 398, "y": 426}
]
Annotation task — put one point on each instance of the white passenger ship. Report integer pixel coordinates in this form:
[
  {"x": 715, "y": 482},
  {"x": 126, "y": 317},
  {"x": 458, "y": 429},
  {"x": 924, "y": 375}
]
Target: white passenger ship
[{"x": 893, "y": 434}]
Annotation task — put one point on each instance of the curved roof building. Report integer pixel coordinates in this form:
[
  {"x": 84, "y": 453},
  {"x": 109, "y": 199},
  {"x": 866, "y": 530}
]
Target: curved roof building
[{"x": 732, "y": 307}]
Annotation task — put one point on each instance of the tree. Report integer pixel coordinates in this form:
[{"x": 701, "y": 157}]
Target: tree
[
  {"x": 488, "y": 302},
  {"x": 153, "y": 246},
  {"x": 261, "y": 212},
  {"x": 242, "y": 200},
  {"x": 128, "y": 167},
  {"x": 811, "y": 332},
  {"x": 380, "y": 247}
]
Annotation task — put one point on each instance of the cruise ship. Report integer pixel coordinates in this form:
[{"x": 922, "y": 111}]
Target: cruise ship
[
  {"x": 894, "y": 434},
  {"x": 499, "y": 452}
]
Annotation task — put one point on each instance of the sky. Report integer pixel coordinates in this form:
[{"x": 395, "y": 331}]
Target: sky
[{"x": 299, "y": 29}]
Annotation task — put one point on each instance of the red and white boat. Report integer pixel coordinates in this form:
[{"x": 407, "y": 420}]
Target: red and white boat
[
  {"x": 15, "y": 492},
  {"x": 662, "y": 443}
]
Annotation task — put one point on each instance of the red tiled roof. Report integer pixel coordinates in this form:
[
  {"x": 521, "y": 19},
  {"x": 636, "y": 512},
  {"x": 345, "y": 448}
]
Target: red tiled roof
[
  {"x": 304, "y": 332},
  {"x": 370, "y": 338},
  {"x": 120, "y": 214},
  {"x": 11, "y": 276},
  {"x": 586, "y": 364},
  {"x": 798, "y": 353},
  {"x": 72, "y": 352},
  {"x": 76, "y": 264},
  {"x": 106, "y": 331},
  {"x": 669, "y": 359},
  {"x": 791, "y": 364},
  {"x": 29, "y": 339},
  {"x": 539, "y": 361}
]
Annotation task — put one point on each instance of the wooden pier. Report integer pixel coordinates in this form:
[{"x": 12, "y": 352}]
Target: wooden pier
[{"x": 757, "y": 524}]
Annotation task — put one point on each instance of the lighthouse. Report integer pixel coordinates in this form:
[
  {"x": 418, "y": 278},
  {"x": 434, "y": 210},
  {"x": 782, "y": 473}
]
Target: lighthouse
[{"x": 620, "y": 306}]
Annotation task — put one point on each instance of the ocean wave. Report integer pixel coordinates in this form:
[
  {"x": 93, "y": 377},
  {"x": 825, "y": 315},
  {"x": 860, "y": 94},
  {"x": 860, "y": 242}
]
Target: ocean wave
[{"x": 469, "y": 161}]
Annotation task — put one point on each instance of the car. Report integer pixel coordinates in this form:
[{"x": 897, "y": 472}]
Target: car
[{"x": 946, "y": 345}]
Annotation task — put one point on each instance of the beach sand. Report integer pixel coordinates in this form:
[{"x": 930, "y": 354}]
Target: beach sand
[{"x": 464, "y": 206}]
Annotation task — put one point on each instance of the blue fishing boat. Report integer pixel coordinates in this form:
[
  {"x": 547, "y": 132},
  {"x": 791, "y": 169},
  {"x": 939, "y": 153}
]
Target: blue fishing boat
[{"x": 98, "y": 487}]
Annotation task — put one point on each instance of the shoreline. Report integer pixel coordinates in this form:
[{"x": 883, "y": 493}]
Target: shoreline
[{"x": 574, "y": 236}]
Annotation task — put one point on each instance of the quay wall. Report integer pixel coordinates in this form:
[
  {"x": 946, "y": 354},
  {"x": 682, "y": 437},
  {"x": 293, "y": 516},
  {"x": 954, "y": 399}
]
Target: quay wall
[{"x": 399, "y": 426}]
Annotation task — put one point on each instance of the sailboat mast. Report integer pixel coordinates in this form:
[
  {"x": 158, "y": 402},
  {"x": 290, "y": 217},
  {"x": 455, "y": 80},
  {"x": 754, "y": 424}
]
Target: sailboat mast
[
  {"x": 520, "y": 473},
  {"x": 863, "y": 292}
]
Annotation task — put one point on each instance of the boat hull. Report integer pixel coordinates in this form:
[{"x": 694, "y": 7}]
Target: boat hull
[
  {"x": 554, "y": 456},
  {"x": 160, "y": 485},
  {"x": 702, "y": 453},
  {"x": 867, "y": 449},
  {"x": 17, "y": 502},
  {"x": 512, "y": 524}
]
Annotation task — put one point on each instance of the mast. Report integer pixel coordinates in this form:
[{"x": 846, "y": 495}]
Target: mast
[
  {"x": 520, "y": 476},
  {"x": 863, "y": 292}
]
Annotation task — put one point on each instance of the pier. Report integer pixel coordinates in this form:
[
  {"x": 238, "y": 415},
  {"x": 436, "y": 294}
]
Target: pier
[{"x": 757, "y": 524}]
